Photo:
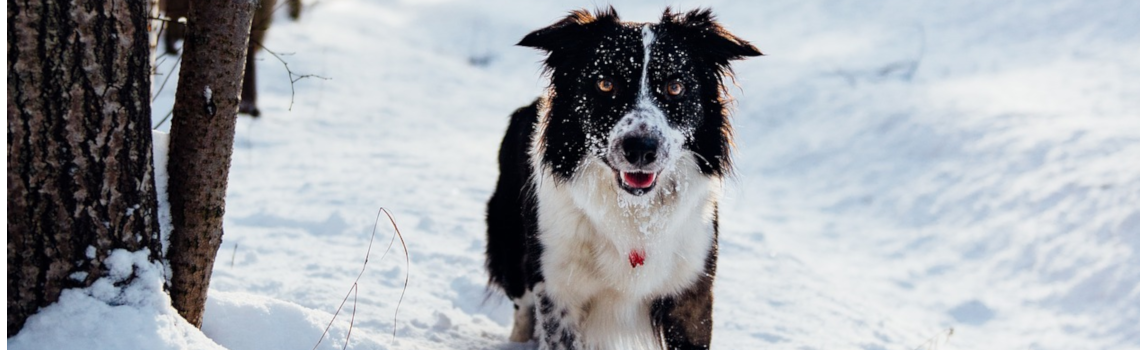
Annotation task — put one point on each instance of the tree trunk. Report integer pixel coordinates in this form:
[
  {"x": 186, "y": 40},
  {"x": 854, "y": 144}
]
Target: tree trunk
[
  {"x": 79, "y": 145},
  {"x": 201, "y": 144}
]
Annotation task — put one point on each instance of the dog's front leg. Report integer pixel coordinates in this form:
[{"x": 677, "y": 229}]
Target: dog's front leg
[
  {"x": 685, "y": 321},
  {"x": 523, "y": 330},
  {"x": 557, "y": 325}
]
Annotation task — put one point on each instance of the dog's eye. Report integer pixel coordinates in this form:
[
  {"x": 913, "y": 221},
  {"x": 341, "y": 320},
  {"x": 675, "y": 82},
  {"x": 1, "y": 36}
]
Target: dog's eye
[
  {"x": 605, "y": 85},
  {"x": 675, "y": 88}
]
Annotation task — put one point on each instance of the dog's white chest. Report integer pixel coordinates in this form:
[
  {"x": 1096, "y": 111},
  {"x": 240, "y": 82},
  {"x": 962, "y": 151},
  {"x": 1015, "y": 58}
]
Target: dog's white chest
[{"x": 610, "y": 254}]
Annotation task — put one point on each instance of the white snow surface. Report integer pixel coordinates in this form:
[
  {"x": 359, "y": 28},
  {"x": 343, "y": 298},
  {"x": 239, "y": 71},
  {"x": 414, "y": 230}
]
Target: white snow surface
[
  {"x": 161, "y": 152},
  {"x": 903, "y": 168}
]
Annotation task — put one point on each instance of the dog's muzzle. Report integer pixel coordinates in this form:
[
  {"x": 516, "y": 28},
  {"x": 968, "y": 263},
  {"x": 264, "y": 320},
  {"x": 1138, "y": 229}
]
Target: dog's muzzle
[
  {"x": 636, "y": 158},
  {"x": 639, "y": 148}
]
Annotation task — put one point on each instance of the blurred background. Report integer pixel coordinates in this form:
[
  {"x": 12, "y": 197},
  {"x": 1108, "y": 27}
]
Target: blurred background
[{"x": 910, "y": 174}]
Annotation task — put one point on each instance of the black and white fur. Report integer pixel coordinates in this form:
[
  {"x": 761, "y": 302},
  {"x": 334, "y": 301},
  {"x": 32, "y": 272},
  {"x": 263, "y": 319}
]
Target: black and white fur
[{"x": 603, "y": 227}]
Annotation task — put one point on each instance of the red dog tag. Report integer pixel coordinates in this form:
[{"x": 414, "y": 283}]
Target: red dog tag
[{"x": 636, "y": 258}]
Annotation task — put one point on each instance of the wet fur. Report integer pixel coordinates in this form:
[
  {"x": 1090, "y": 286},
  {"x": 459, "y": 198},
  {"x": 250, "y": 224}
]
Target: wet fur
[{"x": 560, "y": 225}]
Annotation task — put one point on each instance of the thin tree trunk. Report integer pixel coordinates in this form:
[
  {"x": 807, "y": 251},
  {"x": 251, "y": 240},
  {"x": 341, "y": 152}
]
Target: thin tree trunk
[
  {"x": 201, "y": 144},
  {"x": 79, "y": 145}
]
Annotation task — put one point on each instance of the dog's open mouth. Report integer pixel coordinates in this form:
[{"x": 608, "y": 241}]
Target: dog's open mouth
[{"x": 637, "y": 183}]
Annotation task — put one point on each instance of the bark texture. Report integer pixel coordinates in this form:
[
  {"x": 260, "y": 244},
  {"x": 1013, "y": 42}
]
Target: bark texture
[
  {"x": 79, "y": 145},
  {"x": 201, "y": 144}
]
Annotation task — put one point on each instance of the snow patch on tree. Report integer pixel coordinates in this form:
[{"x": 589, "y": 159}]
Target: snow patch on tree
[{"x": 161, "y": 150}]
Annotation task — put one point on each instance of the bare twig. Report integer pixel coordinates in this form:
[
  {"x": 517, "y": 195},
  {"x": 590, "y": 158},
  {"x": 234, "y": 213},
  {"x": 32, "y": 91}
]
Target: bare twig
[
  {"x": 937, "y": 340},
  {"x": 166, "y": 79},
  {"x": 233, "y": 256},
  {"x": 158, "y": 61},
  {"x": 407, "y": 263},
  {"x": 293, "y": 77},
  {"x": 158, "y": 39},
  {"x": 355, "y": 289},
  {"x": 164, "y": 119}
]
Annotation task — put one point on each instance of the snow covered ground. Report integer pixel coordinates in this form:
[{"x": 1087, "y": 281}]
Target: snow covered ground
[{"x": 904, "y": 168}]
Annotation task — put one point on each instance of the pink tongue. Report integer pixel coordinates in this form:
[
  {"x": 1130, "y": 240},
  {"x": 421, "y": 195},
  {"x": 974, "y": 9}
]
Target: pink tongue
[{"x": 638, "y": 180}]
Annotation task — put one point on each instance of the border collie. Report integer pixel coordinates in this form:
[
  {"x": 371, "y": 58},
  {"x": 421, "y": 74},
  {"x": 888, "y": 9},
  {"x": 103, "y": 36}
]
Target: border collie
[{"x": 603, "y": 226}]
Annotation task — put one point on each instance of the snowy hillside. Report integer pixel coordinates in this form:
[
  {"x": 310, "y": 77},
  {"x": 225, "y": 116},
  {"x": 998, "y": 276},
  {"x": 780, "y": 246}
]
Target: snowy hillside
[{"x": 903, "y": 168}]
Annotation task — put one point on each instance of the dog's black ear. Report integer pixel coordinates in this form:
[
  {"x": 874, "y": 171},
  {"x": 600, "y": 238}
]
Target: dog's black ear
[
  {"x": 568, "y": 32},
  {"x": 709, "y": 37}
]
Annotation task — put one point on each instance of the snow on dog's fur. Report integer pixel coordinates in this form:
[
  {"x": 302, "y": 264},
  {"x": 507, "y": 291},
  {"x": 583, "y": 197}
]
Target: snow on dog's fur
[{"x": 603, "y": 227}]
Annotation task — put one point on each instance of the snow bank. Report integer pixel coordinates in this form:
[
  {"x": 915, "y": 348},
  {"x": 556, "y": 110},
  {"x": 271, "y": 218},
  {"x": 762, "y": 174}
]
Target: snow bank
[
  {"x": 139, "y": 316},
  {"x": 242, "y": 321},
  {"x": 103, "y": 316}
]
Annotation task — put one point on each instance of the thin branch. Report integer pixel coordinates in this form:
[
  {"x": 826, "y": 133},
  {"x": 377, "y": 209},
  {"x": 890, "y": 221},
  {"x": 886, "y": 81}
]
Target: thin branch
[
  {"x": 158, "y": 61},
  {"x": 933, "y": 343},
  {"x": 164, "y": 119},
  {"x": 293, "y": 77},
  {"x": 167, "y": 78},
  {"x": 161, "y": 87},
  {"x": 233, "y": 257},
  {"x": 355, "y": 289},
  {"x": 407, "y": 271},
  {"x": 158, "y": 38}
]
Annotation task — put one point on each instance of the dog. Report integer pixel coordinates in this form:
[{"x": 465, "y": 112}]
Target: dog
[{"x": 602, "y": 229}]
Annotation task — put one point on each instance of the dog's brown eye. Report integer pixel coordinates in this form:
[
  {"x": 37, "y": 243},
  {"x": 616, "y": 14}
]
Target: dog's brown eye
[
  {"x": 675, "y": 88},
  {"x": 605, "y": 85}
]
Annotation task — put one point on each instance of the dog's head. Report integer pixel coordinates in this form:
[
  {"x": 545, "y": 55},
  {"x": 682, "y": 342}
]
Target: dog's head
[{"x": 636, "y": 96}]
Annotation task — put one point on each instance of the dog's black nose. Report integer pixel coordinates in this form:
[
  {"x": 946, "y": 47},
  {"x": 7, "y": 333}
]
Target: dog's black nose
[{"x": 640, "y": 151}]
